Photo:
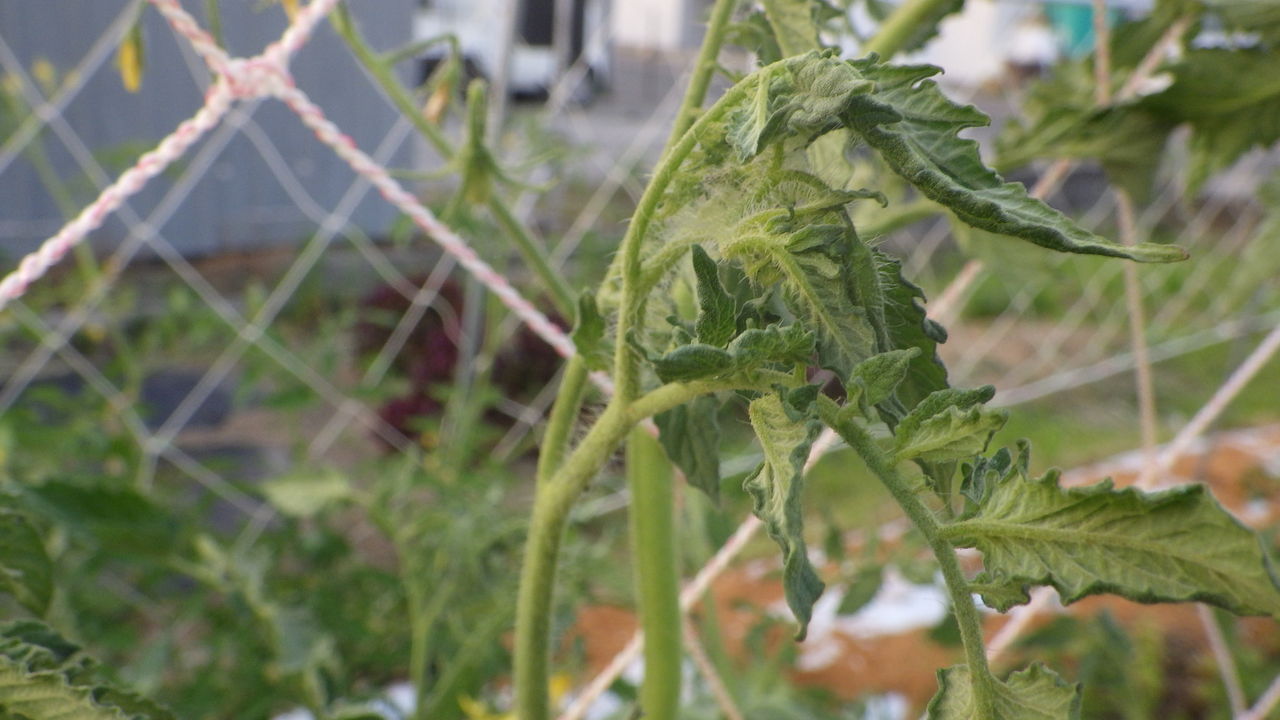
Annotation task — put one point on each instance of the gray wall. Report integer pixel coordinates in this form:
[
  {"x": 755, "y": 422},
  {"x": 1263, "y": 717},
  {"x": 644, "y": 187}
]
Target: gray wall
[{"x": 238, "y": 205}]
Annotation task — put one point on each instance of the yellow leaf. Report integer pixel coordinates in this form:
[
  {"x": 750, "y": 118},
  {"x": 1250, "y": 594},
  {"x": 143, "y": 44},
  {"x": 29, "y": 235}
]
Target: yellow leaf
[
  {"x": 45, "y": 73},
  {"x": 436, "y": 104},
  {"x": 290, "y": 8},
  {"x": 129, "y": 60},
  {"x": 476, "y": 710}
]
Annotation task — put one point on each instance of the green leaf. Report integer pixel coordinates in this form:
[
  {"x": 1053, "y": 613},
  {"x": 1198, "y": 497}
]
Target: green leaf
[
  {"x": 716, "y": 323},
  {"x": 925, "y": 27},
  {"x": 787, "y": 344},
  {"x": 1060, "y": 119},
  {"x": 26, "y": 572},
  {"x": 805, "y": 97},
  {"x": 1227, "y": 118},
  {"x": 47, "y": 695},
  {"x": 948, "y": 425},
  {"x": 754, "y": 34},
  {"x": 1260, "y": 16},
  {"x": 811, "y": 264},
  {"x": 793, "y": 26},
  {"x": 1176, "y": 545},
  {"x": 693, "y": 362},
  {"x": 305, "y": 492},
  {"x": 862, "y": 589},
  {"x": 1036, "y": 693},
  {"x": 875, "y": 378},
  {"x": 43, "y": 676},
  {"x": 776, "y": 488},
  {"x": 588, "y": 333},
  {"x": 752, "y": 349},
  {"x": 120, "y": 519},
  {"x": 908, "y": 327},
  {"x": 690, "y": 435},
  {"x": 914, "y": 127},
  {"x": 754, "y": 126}
]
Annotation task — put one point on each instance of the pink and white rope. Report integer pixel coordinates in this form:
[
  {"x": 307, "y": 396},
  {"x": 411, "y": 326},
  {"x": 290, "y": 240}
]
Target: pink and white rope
[{"x": 267, "y": 75}]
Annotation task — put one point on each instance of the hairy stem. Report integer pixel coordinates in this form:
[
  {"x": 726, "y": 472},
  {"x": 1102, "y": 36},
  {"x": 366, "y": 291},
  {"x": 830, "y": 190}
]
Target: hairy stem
[
  {"x": 897, "y": 29},
  {"x": 564, "y": 412},
  {"x": 551, "y": 508},
  {"x": 957, "y": 587},
  {"x": 653, "y": 553},
  {"x": 625, "y": 361}
]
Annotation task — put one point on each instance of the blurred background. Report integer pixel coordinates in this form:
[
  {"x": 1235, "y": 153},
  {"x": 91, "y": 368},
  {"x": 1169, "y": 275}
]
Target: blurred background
[{"x": 278, "y": 448}]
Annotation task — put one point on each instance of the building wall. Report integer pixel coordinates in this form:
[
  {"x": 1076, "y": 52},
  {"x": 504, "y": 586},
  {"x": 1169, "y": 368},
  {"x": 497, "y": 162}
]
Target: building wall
[{"x": 239, "y": 204}]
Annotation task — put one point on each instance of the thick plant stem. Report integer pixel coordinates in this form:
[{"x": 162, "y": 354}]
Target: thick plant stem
[
  {"x": 564, "y": 412},
  {"x": 899, "y": 26},
  {"x": 653, "y": 553},
  {"x": 705, "y": 69},
  {"x": 957, "y": 587},
  {"x": 537, "y": 573},
  {"x": 551, "y": 508}
]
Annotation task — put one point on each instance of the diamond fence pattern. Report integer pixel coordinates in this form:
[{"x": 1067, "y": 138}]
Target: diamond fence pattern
[{"x": 1085, "y": 343}]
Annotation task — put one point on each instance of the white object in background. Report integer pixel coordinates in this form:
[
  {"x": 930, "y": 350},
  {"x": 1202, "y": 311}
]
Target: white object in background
[{"x": 967, "y": 46}]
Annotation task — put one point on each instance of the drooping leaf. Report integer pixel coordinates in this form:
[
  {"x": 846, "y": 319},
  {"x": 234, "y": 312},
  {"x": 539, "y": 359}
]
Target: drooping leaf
[
  {"x": 1036, "y": 693},
  {"x": 26, "y": 572},
  {"x": 304, "y": 493},
  {"x": 1175, "y": 545},
  {"x": 588, "y": 333},
  {"x": 776, "y": 488},
  {"x": 716, "y": 323},
  {"x": 947, "y": 425},
  {"x": 690, "y": 434},
  {"x": 923, "y": 146}
]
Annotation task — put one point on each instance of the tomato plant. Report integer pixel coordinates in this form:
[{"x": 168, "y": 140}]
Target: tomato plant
[{"x": 749, "y": 268}]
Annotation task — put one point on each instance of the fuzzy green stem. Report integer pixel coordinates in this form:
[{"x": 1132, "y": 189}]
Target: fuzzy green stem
[
  {"x": 551, "y": 508},
  {"x": 653, "y": 553},
  {"x": 625, "y": 361},
  {"x": 957, "y": 587},
  {"x": 703, "y": 71},
  {"x": 564, "y": 412},
  {"x": 900, "y": 25},
  {"x": 530, "y": 251},
  {"x": 537, "y": 573}
]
